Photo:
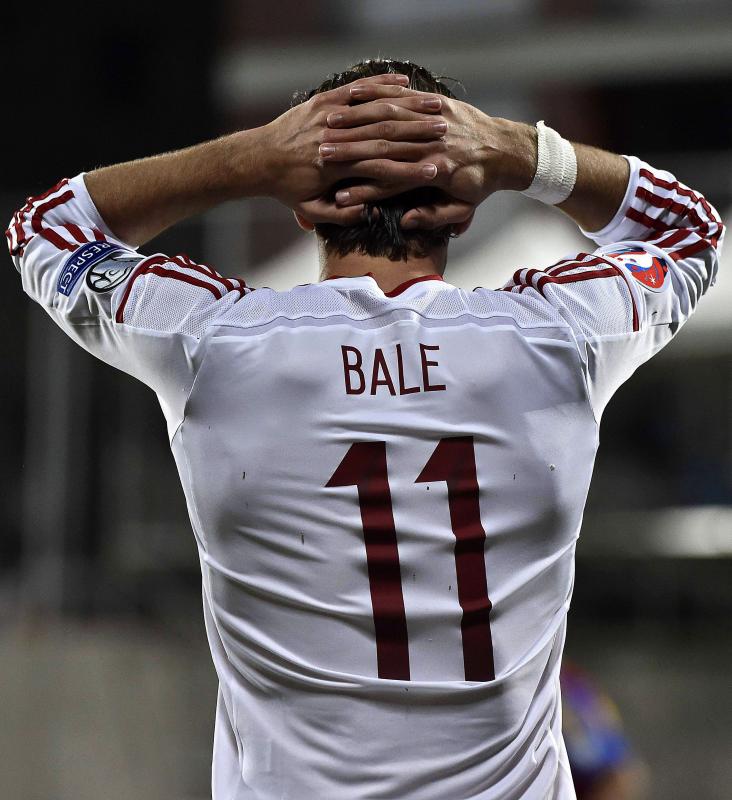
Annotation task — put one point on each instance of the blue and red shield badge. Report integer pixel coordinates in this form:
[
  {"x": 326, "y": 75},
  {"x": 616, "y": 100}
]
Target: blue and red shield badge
[{"x": 646, "y": 268}]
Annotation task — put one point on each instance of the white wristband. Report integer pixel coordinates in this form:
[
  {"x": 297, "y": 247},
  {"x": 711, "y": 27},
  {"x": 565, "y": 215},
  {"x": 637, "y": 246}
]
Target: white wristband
[{"x": 556, "y": 167}]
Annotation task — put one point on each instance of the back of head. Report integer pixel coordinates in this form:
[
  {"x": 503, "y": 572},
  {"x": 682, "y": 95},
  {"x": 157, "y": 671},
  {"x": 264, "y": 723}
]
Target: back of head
[{"x": 380, "y": 233}]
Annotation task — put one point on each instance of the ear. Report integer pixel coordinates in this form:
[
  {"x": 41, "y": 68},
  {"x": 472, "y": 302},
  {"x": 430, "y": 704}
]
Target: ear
[
  {"x": 459, "y": 228},
  {"x": 305, "y": 224}
]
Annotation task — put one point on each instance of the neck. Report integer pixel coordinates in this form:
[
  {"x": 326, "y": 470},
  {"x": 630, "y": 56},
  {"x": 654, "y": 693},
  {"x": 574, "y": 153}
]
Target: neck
[{"x": 388, "y": 274}]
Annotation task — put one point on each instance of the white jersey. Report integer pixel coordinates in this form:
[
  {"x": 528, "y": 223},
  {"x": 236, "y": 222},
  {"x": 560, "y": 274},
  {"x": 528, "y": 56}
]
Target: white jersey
[{"x": 386, "y": 489}]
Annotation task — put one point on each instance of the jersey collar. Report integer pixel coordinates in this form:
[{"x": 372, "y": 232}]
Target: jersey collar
[
  {"x": 404, "y": 286},
  {"x": 368, "y": 279}
]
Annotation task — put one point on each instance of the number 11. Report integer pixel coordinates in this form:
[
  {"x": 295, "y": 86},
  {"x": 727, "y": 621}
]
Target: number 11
[{"x": 453, "y": 461}]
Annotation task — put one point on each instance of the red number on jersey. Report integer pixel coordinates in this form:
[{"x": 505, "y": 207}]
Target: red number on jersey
[
  {"x": 453, "y": 461},
  {"x": 364, "y": 466}
]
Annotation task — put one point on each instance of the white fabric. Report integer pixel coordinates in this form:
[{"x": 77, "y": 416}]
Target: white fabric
[
  {"x": 556, "y": 167},
  {"x": 254, "y": 391}
]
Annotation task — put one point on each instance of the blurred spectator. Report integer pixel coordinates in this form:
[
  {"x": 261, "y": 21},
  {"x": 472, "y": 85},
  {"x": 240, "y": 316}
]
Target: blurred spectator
[{"x": 603, "y": 764}]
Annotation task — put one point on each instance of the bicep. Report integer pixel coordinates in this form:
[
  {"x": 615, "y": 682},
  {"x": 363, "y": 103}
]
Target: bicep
[
  {"x": 628, "y": 298},
  {"x": 624, "y": 302},
  {"x": 143, "y": 315},
  {"x": 593, "y": 291}
]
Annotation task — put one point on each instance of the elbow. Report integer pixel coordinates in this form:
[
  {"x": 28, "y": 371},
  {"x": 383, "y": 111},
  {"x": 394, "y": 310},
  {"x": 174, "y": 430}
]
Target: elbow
[{"x": 15, "y": 239}]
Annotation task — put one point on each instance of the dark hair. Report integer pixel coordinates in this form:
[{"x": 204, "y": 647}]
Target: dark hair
[{"x": 380, "y": 232}]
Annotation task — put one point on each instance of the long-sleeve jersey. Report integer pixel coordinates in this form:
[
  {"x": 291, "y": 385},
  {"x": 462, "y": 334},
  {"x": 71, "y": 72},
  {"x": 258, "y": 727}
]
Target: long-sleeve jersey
[{"x": 386, "y": 489}]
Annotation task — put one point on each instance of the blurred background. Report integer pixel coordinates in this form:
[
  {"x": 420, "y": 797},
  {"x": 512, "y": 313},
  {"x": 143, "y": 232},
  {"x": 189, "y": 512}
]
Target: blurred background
[{"x": 106, "y": 686}]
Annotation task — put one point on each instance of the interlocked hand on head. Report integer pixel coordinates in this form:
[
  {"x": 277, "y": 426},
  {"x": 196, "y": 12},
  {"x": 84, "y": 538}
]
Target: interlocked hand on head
[{"x": 392, "y": 144}]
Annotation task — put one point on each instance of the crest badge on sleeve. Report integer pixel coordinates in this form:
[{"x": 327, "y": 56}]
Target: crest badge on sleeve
[
  {"x": 108, "y": 274},
  {"x": 79, "y": 261},
  {"x": 645, "y": 267}
]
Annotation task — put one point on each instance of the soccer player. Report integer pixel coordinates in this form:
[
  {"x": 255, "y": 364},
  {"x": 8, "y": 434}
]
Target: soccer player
[{"x": 385, "y": 474}]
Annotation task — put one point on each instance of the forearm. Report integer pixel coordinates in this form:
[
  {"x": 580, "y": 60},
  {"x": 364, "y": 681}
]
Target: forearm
[
  {"x": 140, "y": 199},
  {"x": 602, "y": 178}
]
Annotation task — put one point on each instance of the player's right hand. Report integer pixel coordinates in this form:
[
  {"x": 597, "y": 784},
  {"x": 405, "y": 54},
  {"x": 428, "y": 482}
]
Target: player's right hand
[
  {"x": 477, "y": 156},
  {"x": 393, "y": 147}
]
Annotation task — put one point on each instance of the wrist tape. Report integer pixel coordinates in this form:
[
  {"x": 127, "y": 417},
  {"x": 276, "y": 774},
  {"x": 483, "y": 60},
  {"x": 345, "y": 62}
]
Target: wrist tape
[{"x": 556, "y": 167}]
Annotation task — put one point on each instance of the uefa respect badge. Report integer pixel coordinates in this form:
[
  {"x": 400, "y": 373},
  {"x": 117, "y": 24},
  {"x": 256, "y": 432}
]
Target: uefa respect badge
[{"x": 79, "y": 261}]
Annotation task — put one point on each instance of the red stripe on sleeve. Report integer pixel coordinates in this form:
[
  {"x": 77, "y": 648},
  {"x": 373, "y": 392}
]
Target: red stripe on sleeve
[
  {"x": 10, "y": 235},
  {"x": 609, "y": 272},
  {"x": 649, "y": 222},
  {"x": 557, "y": 269},
  {"x": 186, "y": 263},
  {"x": 527, "y": 280},
  {"x": 31, "y": 201},
  {"x": 43, "y": 195},
  {"x": 555, "y": 276},
  {"x": 679, "y": 189},
  {"x": 673, "y": 205},
  {"x": 672, "y": 239},
  {"x": 180, "y": 276},
  {"x": 76, "y": 232},
  {"x": 624, "y": 276},
  {"x": 561, "y": 268},
  {"x": 139, "y": 270},
  {"x": 48, "y": 233},
  {"x": 691, "y": 249}
]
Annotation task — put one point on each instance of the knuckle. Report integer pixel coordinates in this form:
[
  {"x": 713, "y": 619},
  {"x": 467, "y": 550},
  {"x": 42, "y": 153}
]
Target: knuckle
[
  {"x": 332, "y": 135},
  {"x": 382, "y": 147},
  {"x": 391, "y": 109},
  {"x": 385, "y": 130}
]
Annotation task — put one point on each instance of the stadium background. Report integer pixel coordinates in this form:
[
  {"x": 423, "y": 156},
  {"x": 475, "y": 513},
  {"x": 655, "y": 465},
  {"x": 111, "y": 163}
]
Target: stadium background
[{"x": 106, "y": 686}]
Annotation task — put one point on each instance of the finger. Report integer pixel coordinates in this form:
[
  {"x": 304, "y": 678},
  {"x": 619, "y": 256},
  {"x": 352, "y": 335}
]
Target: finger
[
  {"x": 409, "y": 109},
  {"x": 341, "y": 95},
  {"x": 437, "y": 215},
  {"x": 320, "y": 210},
  {"x": 386, "y": 171},
  {"x": 380, "y": 148},
  {"x": 393, "y": 130},
  {"x": 369, "y": 193},
  {"x": 364, "y": 92}
]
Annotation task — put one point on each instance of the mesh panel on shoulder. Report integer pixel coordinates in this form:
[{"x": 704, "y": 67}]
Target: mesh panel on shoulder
[
  {"x": 529, "y": 311},
  {"x": 443, "y": 302},
  {"x": 168, "y": 305},
  {"x": 600, "y": 307}
]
